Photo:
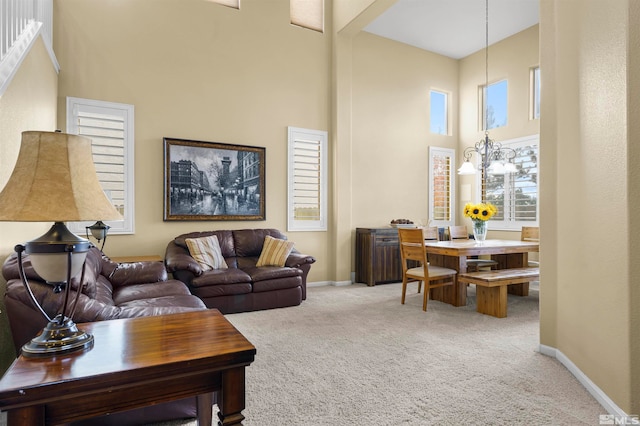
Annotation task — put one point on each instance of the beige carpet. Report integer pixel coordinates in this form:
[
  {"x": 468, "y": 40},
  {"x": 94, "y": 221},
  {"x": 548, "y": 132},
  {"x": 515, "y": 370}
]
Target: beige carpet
[{"x": 355, "y": 356}]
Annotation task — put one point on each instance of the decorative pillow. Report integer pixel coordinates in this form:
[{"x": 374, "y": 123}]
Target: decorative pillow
[
  {"x": 206, "y": 251},
  {"x": 274, "y": 252}
]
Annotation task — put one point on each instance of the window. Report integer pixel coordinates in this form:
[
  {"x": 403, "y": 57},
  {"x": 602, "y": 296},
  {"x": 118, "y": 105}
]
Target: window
[
  {"x": 441, "y": 186},
  {"x": 439, "y": 112},
  {"x": 110, "y": 128},
  {"x": 307, "y": 13},
  {"x": 535, "y": 93},
  {"x": 516, "y": 194},
  {"x": 307, "y": 194},
  {"x": 493, "y": 111}
]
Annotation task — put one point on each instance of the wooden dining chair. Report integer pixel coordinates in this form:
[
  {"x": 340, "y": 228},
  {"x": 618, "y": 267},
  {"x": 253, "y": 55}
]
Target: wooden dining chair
[
  {"x": 460, "y": 232},
  {"x": 412, "y": 249},
  {"x": 430, "y": 233},
  {"x": 531, "y": 233}
]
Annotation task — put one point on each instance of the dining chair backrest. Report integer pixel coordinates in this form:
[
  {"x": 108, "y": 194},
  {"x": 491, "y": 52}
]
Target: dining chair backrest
[
  {"x": 530, "y": 233},
  {"x": 458, "y": 233},
  {"x": 412, "y": 246},
  {"x": 430, "y": 233}
]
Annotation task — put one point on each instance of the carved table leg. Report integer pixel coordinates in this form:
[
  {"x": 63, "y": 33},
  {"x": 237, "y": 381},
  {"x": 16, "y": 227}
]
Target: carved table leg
[{"x": 231, "y": 399}]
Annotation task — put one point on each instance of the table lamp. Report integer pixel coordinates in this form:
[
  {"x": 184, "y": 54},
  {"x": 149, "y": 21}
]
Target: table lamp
[
  {"x": 99, "y": 231},
  {"x": 55, "y": 180}
]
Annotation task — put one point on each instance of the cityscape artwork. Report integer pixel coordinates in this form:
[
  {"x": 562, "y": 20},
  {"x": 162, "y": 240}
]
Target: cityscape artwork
[{"x": 213, "y": 181}]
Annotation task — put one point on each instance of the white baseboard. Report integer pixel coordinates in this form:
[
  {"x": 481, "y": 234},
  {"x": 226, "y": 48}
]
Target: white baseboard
[
  {"x": 591, "y": 387},
  {"x": 331, "y": 283},
  {"x": 319, "y": 284}
]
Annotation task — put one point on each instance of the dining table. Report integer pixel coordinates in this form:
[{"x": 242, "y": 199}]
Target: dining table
[{"x": 453, "y": 254}]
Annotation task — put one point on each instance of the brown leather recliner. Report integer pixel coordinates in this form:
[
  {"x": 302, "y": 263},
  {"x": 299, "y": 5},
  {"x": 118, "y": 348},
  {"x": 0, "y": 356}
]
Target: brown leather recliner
[
  {"x": 110, "y": 291},
  {"x": 242, "y": 286}
]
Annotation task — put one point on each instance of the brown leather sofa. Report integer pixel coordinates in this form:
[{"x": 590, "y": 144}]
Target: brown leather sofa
[
  {"x": 111, "y": 290},
  {"x": 242, "y": 286}
]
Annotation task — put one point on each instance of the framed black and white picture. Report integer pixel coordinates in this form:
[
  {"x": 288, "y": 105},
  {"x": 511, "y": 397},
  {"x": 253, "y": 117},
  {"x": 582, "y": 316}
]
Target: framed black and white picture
[{"x": 213, "y": 181}]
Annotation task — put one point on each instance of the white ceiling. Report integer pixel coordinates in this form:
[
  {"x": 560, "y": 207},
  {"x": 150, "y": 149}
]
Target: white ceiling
[{"x": 453, "y": 28}]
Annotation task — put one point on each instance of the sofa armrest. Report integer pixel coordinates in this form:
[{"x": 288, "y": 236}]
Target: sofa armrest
[
  {"x": 138, "y": 273},
  {"x": 295, "y": 260},
  {"x": 177, "y": 258}
]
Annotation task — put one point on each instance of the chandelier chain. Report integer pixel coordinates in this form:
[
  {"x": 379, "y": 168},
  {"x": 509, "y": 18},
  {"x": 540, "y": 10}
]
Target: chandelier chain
[{"x": 486, "y": 70}]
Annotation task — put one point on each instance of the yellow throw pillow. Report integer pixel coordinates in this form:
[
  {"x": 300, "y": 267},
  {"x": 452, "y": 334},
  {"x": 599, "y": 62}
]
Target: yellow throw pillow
[
  {"x": 206, "y": 251},
  {"x": 274, "y": 252}
]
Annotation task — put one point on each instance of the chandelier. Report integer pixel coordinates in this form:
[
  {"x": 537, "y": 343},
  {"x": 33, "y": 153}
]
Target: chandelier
[{"x": 494, "y": 158}]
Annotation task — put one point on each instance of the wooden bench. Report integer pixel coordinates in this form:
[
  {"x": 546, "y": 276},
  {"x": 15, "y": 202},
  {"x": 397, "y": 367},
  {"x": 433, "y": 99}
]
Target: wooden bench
[{"x": 491, "y": 287}]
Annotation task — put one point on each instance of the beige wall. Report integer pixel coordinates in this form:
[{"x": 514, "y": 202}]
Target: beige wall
[
  {"x": 198, "y": 70},
  {"x": 390, "y": 120},
  {"x": 587, "y": 305},
  {"x": 29, "y": 103}
]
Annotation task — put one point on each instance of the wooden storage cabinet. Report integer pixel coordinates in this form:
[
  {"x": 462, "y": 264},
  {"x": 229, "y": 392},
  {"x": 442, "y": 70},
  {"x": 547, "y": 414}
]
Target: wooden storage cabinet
[{"x": 378, "y": 256}]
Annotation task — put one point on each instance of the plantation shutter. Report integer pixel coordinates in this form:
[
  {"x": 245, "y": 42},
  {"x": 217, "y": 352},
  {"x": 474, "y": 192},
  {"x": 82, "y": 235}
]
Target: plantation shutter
[
  {"x": 307, "y": 180},
  {"x": 441, "y": 187},
  {"x": 525, "y": 184},
  {"x": 107, "y": 136},
  {"x": 516, "y": 194},
  {"x": 109, "y": 126}
]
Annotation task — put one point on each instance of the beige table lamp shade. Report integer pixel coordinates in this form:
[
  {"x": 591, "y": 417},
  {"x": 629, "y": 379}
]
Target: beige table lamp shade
[{"x": 55, "y": 180}]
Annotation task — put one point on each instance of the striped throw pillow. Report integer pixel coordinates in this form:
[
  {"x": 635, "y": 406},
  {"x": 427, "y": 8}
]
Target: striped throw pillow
[
  {"x": 274, "y": 252},
  {"x": 206, "y": 251}
]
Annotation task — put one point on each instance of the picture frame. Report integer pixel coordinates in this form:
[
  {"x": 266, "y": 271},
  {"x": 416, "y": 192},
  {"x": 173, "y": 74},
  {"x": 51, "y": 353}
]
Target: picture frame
[{"x": 213, "y": 181}]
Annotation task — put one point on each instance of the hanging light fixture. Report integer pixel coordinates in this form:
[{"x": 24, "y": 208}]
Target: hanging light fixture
[{"x": 494, "y": 158}]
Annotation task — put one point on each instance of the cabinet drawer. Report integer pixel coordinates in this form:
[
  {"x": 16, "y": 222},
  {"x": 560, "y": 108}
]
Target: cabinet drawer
[{"x": 387, "y": 240}]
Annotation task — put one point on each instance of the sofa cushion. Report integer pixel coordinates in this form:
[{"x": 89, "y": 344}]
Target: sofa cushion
[
  {"x": 274, "y": 252},
  {"x": 221, "y": 277},
  {"x": 129, "y": 273},
  {"x": 210, "y": 291},
  {"x": 225, "y": 239},
  {"x": 277, "y": 284},
  {"x": 264, "y": 273},
  {"x": 206, "y": 251},
  {"x": 128, "y": 293}
]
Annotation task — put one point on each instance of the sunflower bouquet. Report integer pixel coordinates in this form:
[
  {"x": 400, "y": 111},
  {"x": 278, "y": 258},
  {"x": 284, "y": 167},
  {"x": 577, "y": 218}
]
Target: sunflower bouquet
[
  {"x": 480, "y": 211},
  {"x": 480, "y": 214}
]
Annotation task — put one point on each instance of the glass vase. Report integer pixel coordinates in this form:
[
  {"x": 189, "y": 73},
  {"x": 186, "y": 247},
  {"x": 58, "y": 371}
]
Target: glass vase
[{"x": 480, "y": 230}]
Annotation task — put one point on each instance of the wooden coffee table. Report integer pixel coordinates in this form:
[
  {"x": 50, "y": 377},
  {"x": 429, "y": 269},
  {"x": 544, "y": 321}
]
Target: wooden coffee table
[{"x": 134, "y": 363}]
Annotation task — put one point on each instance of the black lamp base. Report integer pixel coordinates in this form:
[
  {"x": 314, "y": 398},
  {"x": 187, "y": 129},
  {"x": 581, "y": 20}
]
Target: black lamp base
[{"x": 60, "y": 336}]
